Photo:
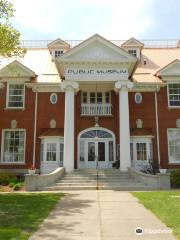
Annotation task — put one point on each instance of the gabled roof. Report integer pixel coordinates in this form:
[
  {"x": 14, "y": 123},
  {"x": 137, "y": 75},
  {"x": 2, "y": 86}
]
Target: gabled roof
[
  {"x": 58, "y": 43},
  {"x": 16, "y": 69},
  {"x": 171, "y": 69},
  {"x": 94, "y": 52},
  {"x": 132, "y": 42}
]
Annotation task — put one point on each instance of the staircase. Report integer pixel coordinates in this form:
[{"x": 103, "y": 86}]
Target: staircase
[{"x": 93, "y": 179}]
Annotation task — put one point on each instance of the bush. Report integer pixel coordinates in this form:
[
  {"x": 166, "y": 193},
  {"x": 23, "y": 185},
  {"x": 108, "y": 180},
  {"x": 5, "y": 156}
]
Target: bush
[
  {"x": 175, "y": 178},
  {"x": 11, "y": 185},
  {"x": 17, "y": 186},
  {"x": 6, "y": 178}
]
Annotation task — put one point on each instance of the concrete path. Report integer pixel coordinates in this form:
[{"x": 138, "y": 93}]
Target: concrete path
[{"x": 101, "y": 215}]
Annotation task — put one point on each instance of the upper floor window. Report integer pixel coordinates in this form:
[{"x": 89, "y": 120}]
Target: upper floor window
[
  {"x": 96, "y": 97},
  {"x": 174, "y": 94},
  {"x": 58, "y": 53},
  {"x": 13, "y": 146},
  {"x": 15, "y": 96},
  {"x": 133, "y": 52}
]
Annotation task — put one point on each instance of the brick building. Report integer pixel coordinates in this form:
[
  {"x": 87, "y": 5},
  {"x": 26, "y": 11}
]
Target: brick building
[{"x": 90, "y": 105}]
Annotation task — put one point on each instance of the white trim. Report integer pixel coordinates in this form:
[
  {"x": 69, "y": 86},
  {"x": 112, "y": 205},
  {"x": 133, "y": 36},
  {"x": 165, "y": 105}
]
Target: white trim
[
  {"x": 169, "y": 106},
  {"x": 35, "y": 128},
  {"x": 7, "y": 95},
  {"x": 176, "y": 162},
  {"x": 106, "y": 140},
  {"x": 157, "y": 128},
  {"x": 2, "y": 147}
]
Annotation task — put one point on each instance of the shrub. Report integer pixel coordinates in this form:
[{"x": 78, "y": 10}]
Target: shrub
[
  {"x": 17, "y": 186},
  {"x": 11, "y": 185},
  {"x": 6, "y": 178},
  {"x": 175, "y": 178}
]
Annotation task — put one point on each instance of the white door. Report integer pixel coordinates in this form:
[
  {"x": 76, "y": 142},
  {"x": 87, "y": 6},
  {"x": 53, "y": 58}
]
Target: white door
[
  {"x": 141, "y": 152},
  {"x": 51, "y": 154},
  {"x": 96, "y": 149}
]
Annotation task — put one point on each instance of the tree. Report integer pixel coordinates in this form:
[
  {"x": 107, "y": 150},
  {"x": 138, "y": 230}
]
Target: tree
[{"x": 9, "y": 36}]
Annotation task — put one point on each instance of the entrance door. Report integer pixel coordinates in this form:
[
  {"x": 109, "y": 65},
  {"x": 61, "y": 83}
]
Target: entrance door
[
  {"x": 96, "y": 148},
  {"x": 97, "y": 156}
]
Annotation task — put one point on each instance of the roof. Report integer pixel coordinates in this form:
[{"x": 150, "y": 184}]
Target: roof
[{"x": 40, "y": 62}]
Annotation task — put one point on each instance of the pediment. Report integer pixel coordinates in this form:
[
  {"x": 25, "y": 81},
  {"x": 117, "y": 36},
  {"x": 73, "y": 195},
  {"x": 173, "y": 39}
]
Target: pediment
[
  {"x": 16, "y": 69},
  {"x": 58, "y": 44},
  {"x": 97, "y": 49},
  {"x": 172, "y": 69},
  {"x": 132, "y": 42}
]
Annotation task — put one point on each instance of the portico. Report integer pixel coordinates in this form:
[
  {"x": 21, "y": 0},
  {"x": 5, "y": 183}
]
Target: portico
[{"x": 96, "y": 61}]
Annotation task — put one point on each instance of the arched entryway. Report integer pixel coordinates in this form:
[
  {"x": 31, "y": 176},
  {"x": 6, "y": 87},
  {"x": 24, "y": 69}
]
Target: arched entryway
[{"x": 96, "y": 148}]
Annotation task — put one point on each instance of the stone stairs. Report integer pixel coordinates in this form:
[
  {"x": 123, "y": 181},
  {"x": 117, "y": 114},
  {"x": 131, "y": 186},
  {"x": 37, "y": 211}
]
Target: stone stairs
[{"x": 93, "y": 179}]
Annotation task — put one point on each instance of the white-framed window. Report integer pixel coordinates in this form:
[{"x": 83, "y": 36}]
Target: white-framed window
[
  {"x": 133, "y": 52},
  {"x": 61, "y": 150},
  {"x": 96, "y": 97},
  {"x": 13, "y": 146},
  {"x": 174, "y": 145},
  {"x": 15, "y": 95},
  {"x": 174, "y": 94},
  {"x": 53, "y": 98},
  {"x": 51, "y": 152},
  {"x": 138, "y": 98},
  {"x": 58, "y": 53},
  {"x": 141, "y": 149}
]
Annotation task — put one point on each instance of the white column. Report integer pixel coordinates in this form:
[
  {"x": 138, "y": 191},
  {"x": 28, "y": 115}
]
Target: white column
[
  {"x": 124, "y": 130},
  {"x": 69, "y": 88}
]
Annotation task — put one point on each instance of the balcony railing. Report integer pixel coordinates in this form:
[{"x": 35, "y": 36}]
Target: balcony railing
[{"x": 96, "y": 109}]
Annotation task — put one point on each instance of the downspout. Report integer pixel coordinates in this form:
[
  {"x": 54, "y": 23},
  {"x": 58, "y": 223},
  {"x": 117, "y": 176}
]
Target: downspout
[
  {"x": 157, "y": 127},
  {"x": 35, "y": 127}
]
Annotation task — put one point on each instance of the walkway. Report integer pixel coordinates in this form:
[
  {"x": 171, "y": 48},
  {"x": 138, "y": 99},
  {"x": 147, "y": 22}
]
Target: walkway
[{"x": 100, "y": 215}]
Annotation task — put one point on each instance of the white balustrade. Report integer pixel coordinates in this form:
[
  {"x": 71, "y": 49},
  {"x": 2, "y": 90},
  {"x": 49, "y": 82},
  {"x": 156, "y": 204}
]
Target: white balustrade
[{"x": 96, "y": 109}]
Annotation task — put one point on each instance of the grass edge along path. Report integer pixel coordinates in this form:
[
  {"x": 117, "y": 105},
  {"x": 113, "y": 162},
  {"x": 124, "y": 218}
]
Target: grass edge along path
[
  {"x": 22, "y": 213},
  {"x": 165, "y": 205}
]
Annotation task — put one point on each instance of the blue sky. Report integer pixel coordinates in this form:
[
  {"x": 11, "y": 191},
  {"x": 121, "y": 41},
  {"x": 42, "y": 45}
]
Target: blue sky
[{"x": 113, "y": 19}]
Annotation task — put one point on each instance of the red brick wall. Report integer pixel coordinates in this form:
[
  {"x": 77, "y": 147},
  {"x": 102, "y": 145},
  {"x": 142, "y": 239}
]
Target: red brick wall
[
  {"x": 167, "y": 119},
  {"x": 25, "y": 120}
]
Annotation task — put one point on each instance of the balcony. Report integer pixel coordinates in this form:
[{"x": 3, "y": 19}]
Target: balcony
[{"x": 96, "y": 109}]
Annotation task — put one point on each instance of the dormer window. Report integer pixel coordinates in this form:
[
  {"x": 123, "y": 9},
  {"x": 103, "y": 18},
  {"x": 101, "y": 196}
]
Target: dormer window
[
  {"x": 133, "y": 52},
  {"x": 58, "y": 53}
]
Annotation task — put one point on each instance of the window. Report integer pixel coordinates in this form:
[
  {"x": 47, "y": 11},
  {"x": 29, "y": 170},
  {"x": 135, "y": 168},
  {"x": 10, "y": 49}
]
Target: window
[
  {"x": 141, "y": 151},
  {"x": 174, "y": 145},
  {"x": 92, "y": 97},
  {"x": 138, "y": 98},
  {"x": 58, "y": 53},
  {"x": 174, "y": 94},
  {"x": 51, "y": 152},
  {"x": 96, "y": 97},
  {"x": 61, "y": 151},
  {"x": 84, "y": 97},
  {"x": 107, "y": 97},
  {"x": 15, "y": 96},
  {"x": 53, "y": 98},
  {"x": 111, "y": 151},
  {"x": 133, "y": 52},
  {"x": 81, "y": 150},
  {"x": 14, "y": 141}
]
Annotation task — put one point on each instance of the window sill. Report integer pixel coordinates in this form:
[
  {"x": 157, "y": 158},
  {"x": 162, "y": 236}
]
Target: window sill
[
  {"x": 174, "y": 163},
  {"x": 14, "y": 108}
]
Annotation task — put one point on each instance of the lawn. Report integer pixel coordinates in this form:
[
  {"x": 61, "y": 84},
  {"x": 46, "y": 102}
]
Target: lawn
[
  {"x": 21, "y": 214},
  {"x": 165, "y": 205}
]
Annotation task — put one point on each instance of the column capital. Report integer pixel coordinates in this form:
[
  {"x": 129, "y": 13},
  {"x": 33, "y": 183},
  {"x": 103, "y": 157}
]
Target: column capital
[
  {"x": 69, "y": 86},
  {"x": 123, "y": 85}
]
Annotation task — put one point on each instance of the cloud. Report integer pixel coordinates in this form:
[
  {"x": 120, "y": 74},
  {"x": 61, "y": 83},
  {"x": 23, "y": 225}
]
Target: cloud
[{"x": 80, "y": 18}]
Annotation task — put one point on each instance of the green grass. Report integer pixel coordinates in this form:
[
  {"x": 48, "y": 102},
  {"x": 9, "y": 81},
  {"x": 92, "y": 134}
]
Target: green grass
[
  {"x": 165, "y": 205},
  {"x": 21, "y": 214}
]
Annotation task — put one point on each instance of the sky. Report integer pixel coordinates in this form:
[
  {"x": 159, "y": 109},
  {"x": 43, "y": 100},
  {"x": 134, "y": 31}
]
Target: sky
[{"x": 113, "y": 19}]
